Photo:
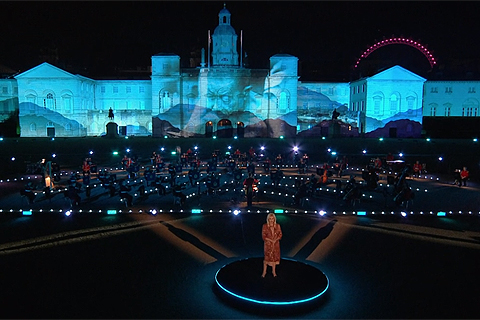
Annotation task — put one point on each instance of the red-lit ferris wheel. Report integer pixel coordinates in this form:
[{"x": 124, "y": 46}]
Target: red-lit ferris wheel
[{"x": 399, "y": 40}]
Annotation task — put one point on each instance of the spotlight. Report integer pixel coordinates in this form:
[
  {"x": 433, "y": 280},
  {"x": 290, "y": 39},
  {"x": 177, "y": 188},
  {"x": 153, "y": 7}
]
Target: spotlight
[
  {"x": 54, "y": 155},
  {"x": 153, "y": 211},
  {"x": 440, "y": 159},
  {"x": 68, "y": 213},
  {"x": 400, "y": 154},
  {"x": 295, "y": 148},
  {"x": 236, "y": 212},
  {"x": 322, "y": 213},
  {"x": 262, "y": 148},
  {"x": 403, "y": 214},
  {"x": 13, "y": 159},
  {"x": 91, "y": 152},
  {"x": 364, "y": 151},
  {"x": 128, "y": 150}
]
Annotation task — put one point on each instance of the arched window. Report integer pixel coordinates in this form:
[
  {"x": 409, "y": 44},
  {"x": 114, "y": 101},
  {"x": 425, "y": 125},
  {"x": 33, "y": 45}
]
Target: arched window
[
  {"x": 49, "y": 102},
  {"x": 378, "y": 103},
  {"x": 394, "y": 104},
  {"x": 283, "y": 103},
  {"x": 33, "y": 127}
]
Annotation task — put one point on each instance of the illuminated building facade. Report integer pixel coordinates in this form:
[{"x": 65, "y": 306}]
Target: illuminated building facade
[{"x": 221, "y": 97}]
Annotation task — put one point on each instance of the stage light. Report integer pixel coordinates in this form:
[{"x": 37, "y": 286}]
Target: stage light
[
  {"x": 441, "y": 214},
  {"x": 68, "y": 213},
  {"x": 322, "y": 213},
  {"x": 334, "y": 153},
  {"x": 329, "y": 150},
  {"x": 195, "y": 147},
  {"x": 27, "y": 212},
  {"x": 380, "y": 139},
  {"x": 126, "y": 137},
  {"x": 229, "y": 147},
  {"x": 262, "y": 148},
  {"x": 428, "y": 139},
  {"x": 1, "y": 139},
  {"x": 281, "y": 137},
  {"x": 440, "y": 159},
  {"x": 165, "y": 136},
  {"x": 214, "y": 137},
  {"x": 54, "y": 155},
  {"x": 162, "y": 149},
  {"x": 361, "y": 213},
  {"x": 153, "y": 211},
  {"x": 364, "y": 151},
  {"x": 475, "y": 140},
  {"x": 53, "y": 139},
  {"x": 115, "y": 153},
  {"x": 128, "y": 150},
  {"x": 91, "y": 152},
  {"x": 278, "y": 211},
  {"x": 295, "y": 148},
  {"x": 400, "y": 154},
  {"x": 403, "y": 214},
  {"x": 111, "y": 211},
  {"x": 13, "y": 159},
  {"x": 236, "y": 212},
  {"x": 196, "y": 210}
]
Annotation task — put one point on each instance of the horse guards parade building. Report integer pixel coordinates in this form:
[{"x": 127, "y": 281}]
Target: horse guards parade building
[{"x": 221, "y": 97}]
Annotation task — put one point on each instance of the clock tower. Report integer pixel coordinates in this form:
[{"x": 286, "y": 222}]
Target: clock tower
[{"x": 224, "y": 41}]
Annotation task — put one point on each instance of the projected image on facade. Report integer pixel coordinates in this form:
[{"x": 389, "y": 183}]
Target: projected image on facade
[{"x": 220, "y": 97}]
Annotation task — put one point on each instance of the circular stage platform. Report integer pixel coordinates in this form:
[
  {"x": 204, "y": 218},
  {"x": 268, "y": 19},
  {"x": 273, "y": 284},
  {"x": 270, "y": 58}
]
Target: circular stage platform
[{"x": 296, "y": 282}]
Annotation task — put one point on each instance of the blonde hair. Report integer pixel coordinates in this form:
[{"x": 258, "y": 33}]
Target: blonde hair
[{"x": 272, "y": 215}]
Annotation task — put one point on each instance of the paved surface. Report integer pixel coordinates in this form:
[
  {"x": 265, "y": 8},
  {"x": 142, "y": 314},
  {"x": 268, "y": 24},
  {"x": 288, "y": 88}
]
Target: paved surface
[{"x": 138, "y": 265}]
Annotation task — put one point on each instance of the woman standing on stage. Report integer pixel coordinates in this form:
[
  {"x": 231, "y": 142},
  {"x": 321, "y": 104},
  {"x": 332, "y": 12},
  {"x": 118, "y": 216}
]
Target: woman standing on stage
[{"x": 271, "y": 235}]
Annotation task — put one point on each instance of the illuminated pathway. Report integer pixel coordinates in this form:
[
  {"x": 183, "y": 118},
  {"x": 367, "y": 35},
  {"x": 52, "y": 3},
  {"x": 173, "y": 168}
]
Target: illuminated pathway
[{"x": 433, "y": 196}]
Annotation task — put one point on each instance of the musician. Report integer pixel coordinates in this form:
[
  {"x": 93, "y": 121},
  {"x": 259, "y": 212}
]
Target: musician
[
  {"x": 249, "y": 185},
  {"x": 124, "y": 193}
]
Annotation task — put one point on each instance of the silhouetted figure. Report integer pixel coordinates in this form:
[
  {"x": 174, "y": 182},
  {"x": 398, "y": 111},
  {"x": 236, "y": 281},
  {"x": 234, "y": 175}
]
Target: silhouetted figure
[
  {"x": 335, "y": 114},
  {"x": 110, "y": 114}
]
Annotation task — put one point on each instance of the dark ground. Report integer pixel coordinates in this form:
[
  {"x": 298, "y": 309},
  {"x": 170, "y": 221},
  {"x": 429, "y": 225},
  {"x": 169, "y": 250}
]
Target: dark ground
[{"x": 143, "y": 266}]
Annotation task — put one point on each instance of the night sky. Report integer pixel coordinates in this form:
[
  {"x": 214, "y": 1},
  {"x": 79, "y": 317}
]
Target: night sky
[{"x": 92, "y": 38}]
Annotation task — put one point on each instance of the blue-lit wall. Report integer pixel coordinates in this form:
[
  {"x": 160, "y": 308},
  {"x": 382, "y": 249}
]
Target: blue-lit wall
[{"x": 220, "y": 96}]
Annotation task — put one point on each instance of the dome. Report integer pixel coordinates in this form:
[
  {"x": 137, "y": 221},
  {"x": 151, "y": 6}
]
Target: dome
[
  {"x": 224, "y": 30},
  {"x": 224, "y": 11}
]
